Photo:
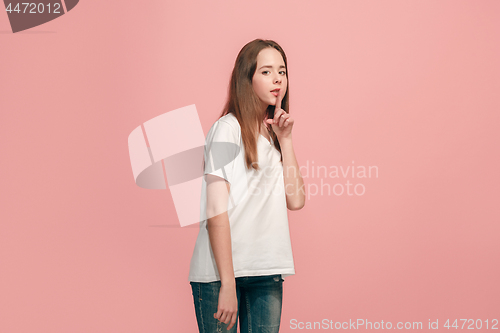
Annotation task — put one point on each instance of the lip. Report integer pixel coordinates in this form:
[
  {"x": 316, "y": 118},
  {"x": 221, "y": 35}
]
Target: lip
[{"x": 275, "y": 92}]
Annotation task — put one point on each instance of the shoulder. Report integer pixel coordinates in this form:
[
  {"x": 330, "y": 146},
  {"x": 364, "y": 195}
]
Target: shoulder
[
  {"x": 228, "y": 124},
  {"x": 225, "y": 129},
  {"x": 231, "y": 120}
]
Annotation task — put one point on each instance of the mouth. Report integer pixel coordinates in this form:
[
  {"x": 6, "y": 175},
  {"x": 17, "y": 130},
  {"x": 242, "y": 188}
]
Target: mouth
[{"x": 275, "y": 92}]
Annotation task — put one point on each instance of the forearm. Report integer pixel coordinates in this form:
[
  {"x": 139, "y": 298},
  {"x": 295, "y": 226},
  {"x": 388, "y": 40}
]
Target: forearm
[
  {"x": 294, "y": 184},
  {"x": 219, "y": 233}
]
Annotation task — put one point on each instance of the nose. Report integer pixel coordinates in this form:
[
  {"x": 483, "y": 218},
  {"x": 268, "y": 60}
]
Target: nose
[{"x": 277, "y": 79}]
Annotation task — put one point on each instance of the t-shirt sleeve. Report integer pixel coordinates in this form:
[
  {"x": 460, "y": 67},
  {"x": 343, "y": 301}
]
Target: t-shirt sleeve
[{"x": 222, "y": 146}]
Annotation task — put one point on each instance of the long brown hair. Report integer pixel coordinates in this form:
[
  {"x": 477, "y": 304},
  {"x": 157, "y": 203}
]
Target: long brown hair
[{"x": 244, "y": 104}]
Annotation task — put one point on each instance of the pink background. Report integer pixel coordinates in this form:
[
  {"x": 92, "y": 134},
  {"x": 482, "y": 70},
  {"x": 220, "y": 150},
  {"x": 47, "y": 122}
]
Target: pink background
[{"x": 408, "y": 86}]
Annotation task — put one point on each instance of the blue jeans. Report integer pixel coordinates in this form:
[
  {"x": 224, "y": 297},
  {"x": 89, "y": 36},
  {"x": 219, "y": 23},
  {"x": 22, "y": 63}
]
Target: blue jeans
[{"x": 259, "y": 304}]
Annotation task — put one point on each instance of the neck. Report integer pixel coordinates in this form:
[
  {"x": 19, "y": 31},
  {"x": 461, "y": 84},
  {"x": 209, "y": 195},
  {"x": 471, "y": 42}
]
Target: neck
[{"x": 263, "y": 113}]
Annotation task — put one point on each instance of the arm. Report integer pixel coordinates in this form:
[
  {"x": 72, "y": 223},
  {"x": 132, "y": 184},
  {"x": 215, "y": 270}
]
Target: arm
[
  {"x": 219, "y": 231},
  {"x": 282, "y": 125},
  {"x": 294, "y": 184}
]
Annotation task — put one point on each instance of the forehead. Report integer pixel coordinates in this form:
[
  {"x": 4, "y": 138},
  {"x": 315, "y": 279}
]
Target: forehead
[{"x": 269, "y": 56}]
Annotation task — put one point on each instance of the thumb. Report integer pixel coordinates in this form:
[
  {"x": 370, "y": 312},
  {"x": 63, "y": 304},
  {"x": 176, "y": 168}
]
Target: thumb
[{"x": 218, "y": 314}]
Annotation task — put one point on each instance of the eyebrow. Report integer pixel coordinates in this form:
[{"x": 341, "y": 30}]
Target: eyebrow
[{"x": 282, "y": 66}]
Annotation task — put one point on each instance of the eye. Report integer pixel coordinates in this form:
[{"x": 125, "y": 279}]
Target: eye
[
  {"x": 265, "y": 72},
  {"x": 283, "y": 72}
]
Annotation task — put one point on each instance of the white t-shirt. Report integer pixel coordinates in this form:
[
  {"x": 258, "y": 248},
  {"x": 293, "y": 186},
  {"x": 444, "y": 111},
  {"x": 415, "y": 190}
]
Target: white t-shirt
[{"x": 258, "y": 216}]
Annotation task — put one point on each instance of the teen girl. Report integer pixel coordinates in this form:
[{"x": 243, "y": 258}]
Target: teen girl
[{"x": 243, "y": 250}]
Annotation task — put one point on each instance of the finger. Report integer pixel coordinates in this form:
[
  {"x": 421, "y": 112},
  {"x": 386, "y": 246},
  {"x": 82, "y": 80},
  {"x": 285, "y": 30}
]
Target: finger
[
  {"x": 223, "y": 318},
  {"x": 287, "y": 122},
  {"x": 277, "y": 115},
  {"x": 279, "y": 98},
  {"x": 283, "y": 117},
  {"x": 233, "y": 321},
  {"x": 218, "y": 314}
]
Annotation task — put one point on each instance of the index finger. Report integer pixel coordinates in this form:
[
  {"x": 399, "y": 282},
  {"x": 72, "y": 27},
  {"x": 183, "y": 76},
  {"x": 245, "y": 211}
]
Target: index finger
[{"x": 278, "y": 100}]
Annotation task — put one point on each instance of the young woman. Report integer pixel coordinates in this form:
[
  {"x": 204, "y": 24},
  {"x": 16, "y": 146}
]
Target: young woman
[{"x": 243, "y": 250}]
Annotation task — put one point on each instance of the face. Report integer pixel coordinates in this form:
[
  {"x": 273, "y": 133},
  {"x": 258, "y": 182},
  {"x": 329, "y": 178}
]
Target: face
[{"x": 270, "y": 75}]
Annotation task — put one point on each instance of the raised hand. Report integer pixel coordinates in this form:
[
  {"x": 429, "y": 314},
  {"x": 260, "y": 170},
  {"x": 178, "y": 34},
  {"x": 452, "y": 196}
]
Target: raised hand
[{"x": 282, "y": 123}]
